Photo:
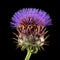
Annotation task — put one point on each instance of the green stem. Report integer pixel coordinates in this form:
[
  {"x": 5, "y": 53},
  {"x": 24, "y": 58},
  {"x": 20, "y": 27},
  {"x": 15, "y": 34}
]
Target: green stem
[{"x": 28, "y": 54}]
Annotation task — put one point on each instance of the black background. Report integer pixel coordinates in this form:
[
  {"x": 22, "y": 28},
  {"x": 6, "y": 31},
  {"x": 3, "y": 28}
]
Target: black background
[{"x": 8, "y": 48}]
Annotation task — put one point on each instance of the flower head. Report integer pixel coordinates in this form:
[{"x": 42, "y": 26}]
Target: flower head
[{"x": 31, "y": 26}]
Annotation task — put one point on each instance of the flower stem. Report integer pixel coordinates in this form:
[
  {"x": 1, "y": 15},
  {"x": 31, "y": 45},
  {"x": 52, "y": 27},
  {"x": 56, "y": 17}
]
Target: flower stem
[{"x": 28, "y": 54}]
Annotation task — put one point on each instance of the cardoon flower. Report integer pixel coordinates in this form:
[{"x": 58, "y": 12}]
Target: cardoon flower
[{"x": 31, "y": 26}]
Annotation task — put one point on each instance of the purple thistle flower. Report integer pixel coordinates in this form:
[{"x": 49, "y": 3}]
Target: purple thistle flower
[
  {"x": 39, "y": 16},
  {"x": 30, "y": 24}
]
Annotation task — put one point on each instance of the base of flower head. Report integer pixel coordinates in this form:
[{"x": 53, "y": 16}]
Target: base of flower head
[{"x": 31, "y": 41}]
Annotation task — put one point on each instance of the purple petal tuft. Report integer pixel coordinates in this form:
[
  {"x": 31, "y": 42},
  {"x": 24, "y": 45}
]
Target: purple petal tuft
[{"x": 37, "y": 14}]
